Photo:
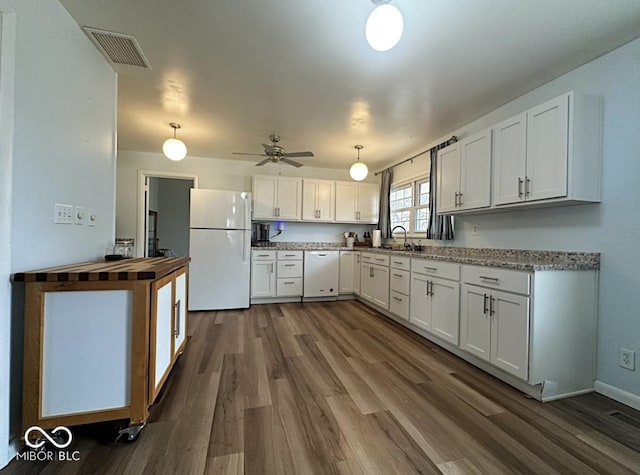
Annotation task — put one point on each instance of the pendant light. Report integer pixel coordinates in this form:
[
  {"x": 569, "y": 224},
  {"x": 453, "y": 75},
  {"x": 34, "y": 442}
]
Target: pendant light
[
  {"x": 384, "y": 26},
  {"x": 174, "y": 149},
  {"x": 358, "y": 170}
]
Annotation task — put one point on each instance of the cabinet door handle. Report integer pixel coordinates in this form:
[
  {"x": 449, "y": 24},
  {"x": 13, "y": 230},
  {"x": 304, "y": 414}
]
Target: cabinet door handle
[
  {"x": 271, "y": 266},
  {"x": 519, "y": 187},
  {"x": 370, "y": 271},
  {"x": 484, "y": 304},
  {"x": 397, "y": 299},
  {"x": 381, "y": 259},
  {"x": 460, "y": 195},
  {"x": 431, "y": 288},
  {"x": 432, "y": 269},
  {"x": 455, "y": 200},
  {"x": 491, "y": 309},
  {"x": 289, "y": 265},
  {"x": 289, "y": 255},
  {"x": 398, "y": 276},
  {"x": 176, "y": 331},
  {"x": 492, "y": 279},
  {"x": 527, "y": 181},
  {"x": 397, "y": 262},
  {"x": 263, "y": 255},
  {"x": 288, "y": 283}
]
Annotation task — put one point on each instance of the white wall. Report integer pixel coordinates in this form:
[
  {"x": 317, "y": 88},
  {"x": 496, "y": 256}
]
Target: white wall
[
  {"x": 611, "y": 227},
  {"x": 221, "y": 175},
  {"x": 63, "y": 152},
  {"x": 7, "y": 58}
]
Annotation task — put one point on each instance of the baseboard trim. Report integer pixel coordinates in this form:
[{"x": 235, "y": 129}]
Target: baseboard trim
[{"x": 617, "y": 394}]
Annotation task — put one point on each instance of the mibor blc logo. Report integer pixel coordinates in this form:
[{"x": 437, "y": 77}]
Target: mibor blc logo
[{"x": 60, "y": 438}]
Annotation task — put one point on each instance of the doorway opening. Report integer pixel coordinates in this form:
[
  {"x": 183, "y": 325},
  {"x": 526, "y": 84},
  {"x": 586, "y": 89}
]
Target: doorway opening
[{"x": 163, "y": 213}]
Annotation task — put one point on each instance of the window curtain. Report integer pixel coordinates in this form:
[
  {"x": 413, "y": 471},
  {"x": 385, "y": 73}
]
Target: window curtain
[
  {"x": 440, "y": 227},
  {"x": 384, "y": 221}
]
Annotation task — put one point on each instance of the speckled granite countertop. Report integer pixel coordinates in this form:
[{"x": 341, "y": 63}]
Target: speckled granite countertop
[{"x": 516, "y": 259}]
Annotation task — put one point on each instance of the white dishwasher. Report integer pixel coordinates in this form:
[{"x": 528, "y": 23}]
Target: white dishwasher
[{"x": 321, "y": 273}]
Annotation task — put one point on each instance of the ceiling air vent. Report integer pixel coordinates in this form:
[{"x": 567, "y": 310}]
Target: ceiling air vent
[{"x": 118, "y": 48}]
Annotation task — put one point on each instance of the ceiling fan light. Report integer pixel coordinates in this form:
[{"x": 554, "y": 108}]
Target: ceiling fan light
[
  {"x": 359, "y": 171},
  {"x": 174, "y": 149},
  {"x": 384, "y": 27}
]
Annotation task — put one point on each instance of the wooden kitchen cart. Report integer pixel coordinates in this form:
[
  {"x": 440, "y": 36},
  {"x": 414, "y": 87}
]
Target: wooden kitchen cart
[{"x": 100, "y": 339}]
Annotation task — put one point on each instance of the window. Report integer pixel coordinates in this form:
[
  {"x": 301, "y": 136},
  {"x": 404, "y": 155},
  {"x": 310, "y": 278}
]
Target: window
[{"x": 409, "y": 204}]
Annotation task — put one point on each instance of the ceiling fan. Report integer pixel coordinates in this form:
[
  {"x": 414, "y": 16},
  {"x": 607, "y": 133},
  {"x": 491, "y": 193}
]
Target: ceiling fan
[{"x": 275, "y": 153}]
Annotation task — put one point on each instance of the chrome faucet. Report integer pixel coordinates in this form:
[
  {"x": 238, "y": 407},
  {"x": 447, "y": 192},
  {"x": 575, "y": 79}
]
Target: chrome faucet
[{"x": 406, "y": 244}]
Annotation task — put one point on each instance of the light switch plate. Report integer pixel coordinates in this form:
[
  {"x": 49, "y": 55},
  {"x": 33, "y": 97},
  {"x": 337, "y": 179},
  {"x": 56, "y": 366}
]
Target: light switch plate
[
  {"x": 91, "y": 217},
  {"x": 80, "y": 215},
  {"x": 63, "y": 214}
]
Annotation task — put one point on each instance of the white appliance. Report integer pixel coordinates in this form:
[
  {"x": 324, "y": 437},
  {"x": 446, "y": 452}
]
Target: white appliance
[
  {"x": 321, "y": 273},
  {"x": 220, "y": 248}
]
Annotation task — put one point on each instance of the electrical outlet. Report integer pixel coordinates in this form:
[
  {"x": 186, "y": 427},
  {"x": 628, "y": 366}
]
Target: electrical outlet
[
  {"x": 628, "y": 359},
  {"x": 63, "y": 214},
  {"x": 475, "y": 230}
]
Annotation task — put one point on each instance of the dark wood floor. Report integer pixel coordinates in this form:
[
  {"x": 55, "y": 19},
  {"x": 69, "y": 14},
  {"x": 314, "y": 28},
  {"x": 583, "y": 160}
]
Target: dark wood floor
[{"x": 336, "y": 388}]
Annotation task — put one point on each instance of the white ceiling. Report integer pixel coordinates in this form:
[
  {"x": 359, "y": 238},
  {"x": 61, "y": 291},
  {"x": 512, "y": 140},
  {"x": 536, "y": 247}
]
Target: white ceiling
[{"x": 232, "y": 72}]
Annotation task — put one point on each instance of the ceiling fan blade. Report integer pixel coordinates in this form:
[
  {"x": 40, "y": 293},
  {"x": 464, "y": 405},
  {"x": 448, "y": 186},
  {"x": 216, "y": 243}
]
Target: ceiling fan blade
[
  {"x": 263, "y": 162},
  {"x": 291, "y": 162},
  {"x": 245, "y": 153},
  {"x": 268, "y": 149},
  {"x": 299, "y": 154}
]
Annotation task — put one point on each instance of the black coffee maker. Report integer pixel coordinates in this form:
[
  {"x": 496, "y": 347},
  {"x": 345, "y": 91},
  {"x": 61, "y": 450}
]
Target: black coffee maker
[{"x": 260, "y": 233}]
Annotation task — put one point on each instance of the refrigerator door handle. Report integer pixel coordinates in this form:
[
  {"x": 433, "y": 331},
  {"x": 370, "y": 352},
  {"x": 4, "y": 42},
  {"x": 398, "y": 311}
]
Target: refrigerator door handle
[{"x": 244, "y": 247}]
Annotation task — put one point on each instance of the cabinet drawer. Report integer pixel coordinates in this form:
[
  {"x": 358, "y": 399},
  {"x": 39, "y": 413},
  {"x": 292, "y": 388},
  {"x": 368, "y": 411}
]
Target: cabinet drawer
[
  {"x": 403, "y": 263},
  {"x": 399, "y": 305},
  {"x": 289, "y": 269},
  {"x": 289, "y": 255},
  {"x": 379, "y": 259},
  {"x": 289, "y": 287},
  {"x": 494, "y": 278},
  {"x": 445, "y": 270},
  {"x": 263, "y": 255},
  {"x": 400, "y": 281}
]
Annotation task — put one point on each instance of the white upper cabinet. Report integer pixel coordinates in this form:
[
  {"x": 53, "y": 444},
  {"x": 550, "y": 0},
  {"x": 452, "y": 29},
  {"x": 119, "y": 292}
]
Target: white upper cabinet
[
  {"x": 547, "y": 136},
  {"x": 550, "y": 153},
  {"x": 357, "y": 202},
  {"x": 509, "y": 159},
  {"x": 277, "y": 197},
  {"x": 448, "y": 178},
  {"x": 318, "y": 200},
  {"x": 464, "y": 174}
]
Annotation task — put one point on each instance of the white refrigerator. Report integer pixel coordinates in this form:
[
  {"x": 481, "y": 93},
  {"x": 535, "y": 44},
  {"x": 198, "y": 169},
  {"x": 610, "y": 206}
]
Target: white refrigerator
[{"x": 220, "y": 249}]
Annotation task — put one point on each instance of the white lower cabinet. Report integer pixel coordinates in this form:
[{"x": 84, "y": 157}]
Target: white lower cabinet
[
  {"x": 534, "y": 330},
  {"x": 435, "y": 300},
  {"x": 495, "y": 323},
  {"x": 374, "y": 284},
  {"x": 347, "y": 263},
  {"x": 289, "y": 273},
  {"x": 357, "y": 271},
  {"x": 399, "y": 286},
  {"x": 263, "y": 274}
]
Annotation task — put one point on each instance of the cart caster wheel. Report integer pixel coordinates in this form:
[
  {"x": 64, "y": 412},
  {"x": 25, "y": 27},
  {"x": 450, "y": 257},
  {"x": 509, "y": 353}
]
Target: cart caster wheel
[{"x": 130, "y": 434}]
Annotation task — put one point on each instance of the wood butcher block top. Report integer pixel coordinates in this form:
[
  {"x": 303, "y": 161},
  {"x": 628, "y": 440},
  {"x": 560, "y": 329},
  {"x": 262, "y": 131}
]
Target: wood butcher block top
[{"x": 126, "y": 269}]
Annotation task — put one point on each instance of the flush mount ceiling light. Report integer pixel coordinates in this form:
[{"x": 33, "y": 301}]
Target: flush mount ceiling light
[
  {"x": 384, "y": 26},
  {"x": 358, "y": 170},
  {"x": 174, "y": 149}
]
